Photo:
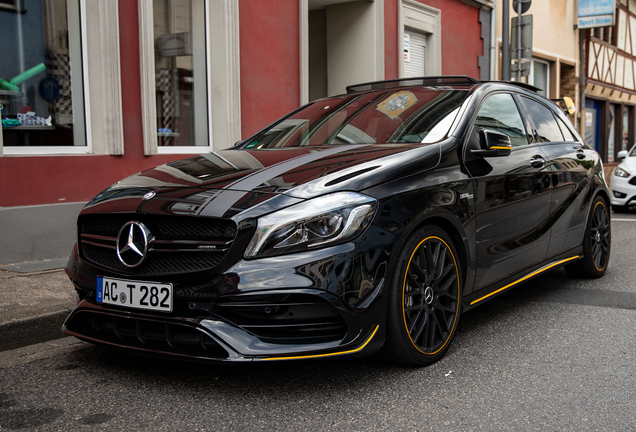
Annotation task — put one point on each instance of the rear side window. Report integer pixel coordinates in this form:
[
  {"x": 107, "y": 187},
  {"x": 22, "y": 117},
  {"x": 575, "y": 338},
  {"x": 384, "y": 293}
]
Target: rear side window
[
  {"x": 546, "y": 125},
  {"x": 500, "y": 114},
  {"x": 567, "y": 133}
]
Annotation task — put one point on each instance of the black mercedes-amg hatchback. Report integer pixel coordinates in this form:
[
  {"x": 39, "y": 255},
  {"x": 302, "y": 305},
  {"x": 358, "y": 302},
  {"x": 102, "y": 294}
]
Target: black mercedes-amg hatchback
[{"x": 359, "y": 223}]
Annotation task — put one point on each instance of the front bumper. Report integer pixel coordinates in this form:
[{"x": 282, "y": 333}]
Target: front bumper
[
  {"x": 197, "y": 339},
  {"x": 622, "y": 192},
  {"x": 317, "y": 304}
]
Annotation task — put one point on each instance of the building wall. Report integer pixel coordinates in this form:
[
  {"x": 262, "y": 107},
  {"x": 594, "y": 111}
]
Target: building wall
[
  {"x": 55, "y": 187},
  {"x": 559, "y": 17},
  {"x": 461, "y": 37},
  {"x": 270, "y": 61}
]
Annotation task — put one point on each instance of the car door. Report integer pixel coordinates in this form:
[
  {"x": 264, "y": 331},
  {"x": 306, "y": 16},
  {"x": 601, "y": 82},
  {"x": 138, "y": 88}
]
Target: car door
[
  {"x": 512, "y": 202},
  {"x": 571, "y": 164}
]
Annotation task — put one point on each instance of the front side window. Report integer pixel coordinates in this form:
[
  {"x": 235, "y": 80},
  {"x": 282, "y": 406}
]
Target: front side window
[
  {"x": 389, "y": 117},
  {"x": 41, "y": 82},
  {"x": 499, "y": 113},
  {"x": 545, "y": 124},
  {"x": 180, "y": 73}
]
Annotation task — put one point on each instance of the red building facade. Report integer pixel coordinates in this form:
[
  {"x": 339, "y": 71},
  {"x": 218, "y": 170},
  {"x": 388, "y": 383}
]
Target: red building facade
[{"x": 160, "y": 84}]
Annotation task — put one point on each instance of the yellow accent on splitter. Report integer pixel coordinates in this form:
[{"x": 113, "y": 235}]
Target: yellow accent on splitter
[{"x": 329, "y": 354}]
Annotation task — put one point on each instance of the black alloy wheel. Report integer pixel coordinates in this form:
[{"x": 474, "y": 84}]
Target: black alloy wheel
[
  {"x": 425, "y": 298},
  {"x": 597, "y": 243}
]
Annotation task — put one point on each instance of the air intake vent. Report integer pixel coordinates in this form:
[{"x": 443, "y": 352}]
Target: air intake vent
[{"x": 145, "y": 334}]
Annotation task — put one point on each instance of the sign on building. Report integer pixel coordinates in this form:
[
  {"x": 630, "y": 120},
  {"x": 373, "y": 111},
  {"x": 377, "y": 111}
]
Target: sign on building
[
  {"x": 175, "y": 45},
  {"x": 596, "y": 13}
]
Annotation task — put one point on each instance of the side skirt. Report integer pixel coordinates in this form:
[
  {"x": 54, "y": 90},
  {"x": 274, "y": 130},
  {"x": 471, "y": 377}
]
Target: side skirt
[{"x": 481, "y": 296}]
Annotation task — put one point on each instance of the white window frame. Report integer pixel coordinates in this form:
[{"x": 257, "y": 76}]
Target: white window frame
[
  {"x": 101, "y": 74},
  {"x": 531, "y": 75},
  {"x": 425, "y": 19},
  {"x": 223, "y": 80}
]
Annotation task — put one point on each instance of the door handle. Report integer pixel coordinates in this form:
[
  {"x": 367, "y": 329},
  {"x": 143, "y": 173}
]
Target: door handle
[
  {"x": 537, "y": 161},
  {"x": 580, "y": 154}
]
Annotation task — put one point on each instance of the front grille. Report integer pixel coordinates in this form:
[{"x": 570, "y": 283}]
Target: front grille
[
  {"x": 177, "y": 244},
  {"x": 140, "y": 333},
  {"x": 632, "y": 181},
  {"x": 285, "y": 318}
]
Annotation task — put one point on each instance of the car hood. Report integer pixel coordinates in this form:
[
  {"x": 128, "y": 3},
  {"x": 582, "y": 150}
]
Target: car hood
[{"x": 224, "y": 183}]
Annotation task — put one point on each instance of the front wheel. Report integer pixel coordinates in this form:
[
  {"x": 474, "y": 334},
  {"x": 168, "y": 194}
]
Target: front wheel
[
  {"x": 596, "y": 243},
  {"x": 424, "y": 299}
]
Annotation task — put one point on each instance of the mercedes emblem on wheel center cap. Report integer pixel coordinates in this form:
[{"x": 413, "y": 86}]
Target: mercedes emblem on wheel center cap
[
  {"x": 428, "y": 295},
  {"x": 132, "y": 243}
]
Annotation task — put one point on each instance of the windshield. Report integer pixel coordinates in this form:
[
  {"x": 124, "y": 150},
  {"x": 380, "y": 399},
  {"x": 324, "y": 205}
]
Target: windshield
[{"x": 414, "y": 115}]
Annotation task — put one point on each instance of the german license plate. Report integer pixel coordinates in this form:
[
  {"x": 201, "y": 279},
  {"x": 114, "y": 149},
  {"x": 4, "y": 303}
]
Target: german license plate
[{"x": 135, "y": 294}]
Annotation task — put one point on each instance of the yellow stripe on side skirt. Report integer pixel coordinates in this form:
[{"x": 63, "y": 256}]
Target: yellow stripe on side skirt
[{"x": 534, "y": 273}]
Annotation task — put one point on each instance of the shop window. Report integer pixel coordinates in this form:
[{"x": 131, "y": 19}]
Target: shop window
[
  {"x": 180, "y": 40},
  {"x": 540, "y": 76},
  {"x": 625, "y": 144},
  {"x": 180, "y": 73},
  {"x": 611, "y": 137},
  {"x": 41, "y": 76},
  {"x": 414, "y": 55}
]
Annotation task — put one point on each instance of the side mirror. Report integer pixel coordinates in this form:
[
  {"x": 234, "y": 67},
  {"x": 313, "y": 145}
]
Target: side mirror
[
  {"x": 493, "y": 144},
  {"x": 570, "y": 108},
  {"x": 569, "y": 105},
  {"x": 622, "y": 154}
]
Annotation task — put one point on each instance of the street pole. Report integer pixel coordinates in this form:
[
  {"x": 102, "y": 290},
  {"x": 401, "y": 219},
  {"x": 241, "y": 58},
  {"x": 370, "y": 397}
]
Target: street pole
[
  {"x": 582, "y": 83},
  {"x": 505, "y": 36},
  {"x": 519, "y": 49}
]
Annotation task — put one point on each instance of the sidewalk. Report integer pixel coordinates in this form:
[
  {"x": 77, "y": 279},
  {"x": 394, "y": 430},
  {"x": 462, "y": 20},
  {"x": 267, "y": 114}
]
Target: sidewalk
[{"x": 33, "y": 306}]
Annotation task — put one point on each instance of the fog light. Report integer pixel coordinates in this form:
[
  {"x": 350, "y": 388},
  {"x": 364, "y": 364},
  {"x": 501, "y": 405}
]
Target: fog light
[{"x": 619, "y": 194}]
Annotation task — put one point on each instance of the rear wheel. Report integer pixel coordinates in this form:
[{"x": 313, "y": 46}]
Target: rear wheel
[
  {"x": 424, "y": 299},
  {"x": 596, "y": 243}
]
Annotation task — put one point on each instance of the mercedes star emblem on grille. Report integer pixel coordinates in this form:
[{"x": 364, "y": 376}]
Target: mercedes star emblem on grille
[{"x": 132, "y": 243}]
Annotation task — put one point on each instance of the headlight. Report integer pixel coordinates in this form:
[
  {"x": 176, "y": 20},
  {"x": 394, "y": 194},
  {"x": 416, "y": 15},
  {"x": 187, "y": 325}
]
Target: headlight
[
  {"x": 322, "y": 221},
  {"x": 620, "y": 172}
]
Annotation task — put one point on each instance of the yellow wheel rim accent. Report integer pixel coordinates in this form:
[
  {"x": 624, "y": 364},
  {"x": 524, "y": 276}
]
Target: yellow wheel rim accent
[{"x": 458, "y": 295}]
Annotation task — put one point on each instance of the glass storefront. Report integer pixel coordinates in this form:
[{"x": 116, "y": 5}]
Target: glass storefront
[{"x": 41, "y": 88}]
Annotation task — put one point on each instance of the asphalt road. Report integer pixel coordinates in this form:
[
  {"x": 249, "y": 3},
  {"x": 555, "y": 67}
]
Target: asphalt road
[{"x": 553, "y": 354}]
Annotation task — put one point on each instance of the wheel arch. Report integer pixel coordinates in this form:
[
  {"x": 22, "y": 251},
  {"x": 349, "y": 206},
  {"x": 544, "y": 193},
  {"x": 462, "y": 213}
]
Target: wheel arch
[
  {"x": 602, "y": 193},
  {"x": 451, "y": 226}
]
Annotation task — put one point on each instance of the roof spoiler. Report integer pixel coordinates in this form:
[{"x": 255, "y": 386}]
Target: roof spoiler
[{"x": 431, "y": 81}]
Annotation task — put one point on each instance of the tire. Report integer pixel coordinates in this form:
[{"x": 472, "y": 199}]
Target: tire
[
  {"x": 422, "y": 317},
  {"x": 597, "y": 243},
  {"x": 620, "y": 209}
]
